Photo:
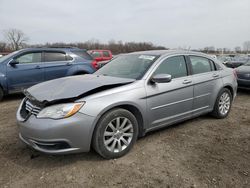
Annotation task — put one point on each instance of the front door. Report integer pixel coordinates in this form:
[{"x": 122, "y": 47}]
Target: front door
[
  {"x": 28, "y": 72},
  {"x": 172, "y": 101}
]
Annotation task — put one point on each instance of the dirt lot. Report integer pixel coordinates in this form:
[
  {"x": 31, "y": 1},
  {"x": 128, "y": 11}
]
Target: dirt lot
[{"x": 203, "y": 152}]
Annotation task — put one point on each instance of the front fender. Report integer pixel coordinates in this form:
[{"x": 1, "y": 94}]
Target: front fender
[{"x": 134, "y": 97}]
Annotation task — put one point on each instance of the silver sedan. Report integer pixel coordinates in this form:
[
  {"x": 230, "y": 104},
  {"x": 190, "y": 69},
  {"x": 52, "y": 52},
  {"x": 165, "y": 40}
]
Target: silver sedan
[{"x": 130, "y": 96}]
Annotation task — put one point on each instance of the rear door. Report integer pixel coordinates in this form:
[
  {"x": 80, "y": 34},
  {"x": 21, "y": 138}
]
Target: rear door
[
  {"x": 29, "y": 71},
  {"x": 205, "y": 79},
  {"x": 170, "y": 102},
  {"x": 56, "y": 64}
]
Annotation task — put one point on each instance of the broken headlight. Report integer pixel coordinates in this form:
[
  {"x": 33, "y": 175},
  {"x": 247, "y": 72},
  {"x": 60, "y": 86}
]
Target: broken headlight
[{"x": 60, "y": 111}]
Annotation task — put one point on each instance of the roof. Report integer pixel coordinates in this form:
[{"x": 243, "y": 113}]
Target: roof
[
  {"x": 167, "y": 52},
  {"x": 50, "y": 49}
]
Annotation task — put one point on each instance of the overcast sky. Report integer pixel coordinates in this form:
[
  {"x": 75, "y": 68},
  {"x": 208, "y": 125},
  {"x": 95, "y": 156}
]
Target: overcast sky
[{"x": 171, "y": 23}]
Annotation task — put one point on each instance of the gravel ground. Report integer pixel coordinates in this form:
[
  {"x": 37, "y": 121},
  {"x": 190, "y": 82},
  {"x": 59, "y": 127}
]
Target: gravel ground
[{"x": 203, "y": 152}]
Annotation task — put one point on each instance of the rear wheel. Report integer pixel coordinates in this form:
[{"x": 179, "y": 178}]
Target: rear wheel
[
  {"x": 1, "y": 93},
  {"x": 115, "y": 134},
  {"x": 223, "y": 104}
]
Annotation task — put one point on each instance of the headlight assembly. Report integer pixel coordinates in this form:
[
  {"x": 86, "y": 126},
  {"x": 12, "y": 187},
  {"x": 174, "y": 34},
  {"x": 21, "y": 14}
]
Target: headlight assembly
[{"x": 60, "y": 111}]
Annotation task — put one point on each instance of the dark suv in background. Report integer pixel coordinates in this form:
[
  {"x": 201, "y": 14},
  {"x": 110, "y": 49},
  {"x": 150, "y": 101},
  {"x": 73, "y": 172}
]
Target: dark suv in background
[{"x": 27, "y": 67}]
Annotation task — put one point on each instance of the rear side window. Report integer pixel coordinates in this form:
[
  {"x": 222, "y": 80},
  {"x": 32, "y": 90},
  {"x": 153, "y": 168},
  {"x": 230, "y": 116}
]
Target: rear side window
[
  {"x": 175, "y": 66},
  {"x": 106, "y": 54},
  {"x": 200, "y": 64},
  {"x": 30, "y": 58},
  {"x": 83, "y": 54},
  {"x": 54, "y": 56}
]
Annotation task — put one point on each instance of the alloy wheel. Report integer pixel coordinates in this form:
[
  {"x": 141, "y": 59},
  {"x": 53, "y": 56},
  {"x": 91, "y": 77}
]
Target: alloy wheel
[
  {"x": 118, "y": 134},
  {"x": 224, "y": 103}
]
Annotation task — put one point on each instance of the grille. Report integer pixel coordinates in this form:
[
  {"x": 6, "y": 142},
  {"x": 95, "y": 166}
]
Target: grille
[{"x": 31, "y": 108}]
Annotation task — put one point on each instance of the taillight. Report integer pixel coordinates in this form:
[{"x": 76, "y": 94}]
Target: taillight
[
  {"x": 94, "y": 64},
  {"x": 235, "y": 73}
]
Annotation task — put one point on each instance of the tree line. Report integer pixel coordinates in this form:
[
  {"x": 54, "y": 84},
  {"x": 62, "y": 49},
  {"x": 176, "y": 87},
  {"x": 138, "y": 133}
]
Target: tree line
[{"x": 15, "y": 39}]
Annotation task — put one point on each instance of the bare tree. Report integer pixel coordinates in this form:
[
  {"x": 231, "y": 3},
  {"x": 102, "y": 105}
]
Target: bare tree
[
  {"x": 16, "y": 38},
  {"x": 246, "y": 46},
  {"x": 3, "y": 46},
  {"x": 237, "y": 49}
]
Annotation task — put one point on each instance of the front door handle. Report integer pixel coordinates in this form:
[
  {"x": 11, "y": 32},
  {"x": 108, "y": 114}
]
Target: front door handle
[
  {"x": 187, "y": 81},
  {"x": 38, "y": 67},
  {"x": 68, "y": 64}
]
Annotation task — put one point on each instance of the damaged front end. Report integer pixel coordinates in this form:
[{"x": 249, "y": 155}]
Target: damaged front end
[{"x": 65, "y": 90}]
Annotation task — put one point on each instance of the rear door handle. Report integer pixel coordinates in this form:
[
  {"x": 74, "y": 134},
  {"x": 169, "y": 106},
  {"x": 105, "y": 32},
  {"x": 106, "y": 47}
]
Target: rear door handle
[
  {"x": 187, "y": 81},
  {"x": 216, "y": 75},
  {"x": 68, "y": 64}
]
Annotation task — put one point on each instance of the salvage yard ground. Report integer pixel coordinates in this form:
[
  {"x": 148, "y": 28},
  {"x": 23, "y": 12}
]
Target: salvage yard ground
[{"x": 203, "y": 152}]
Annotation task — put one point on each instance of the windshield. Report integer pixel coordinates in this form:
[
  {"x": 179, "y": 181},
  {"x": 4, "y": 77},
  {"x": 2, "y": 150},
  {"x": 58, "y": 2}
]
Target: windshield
[
  {"x": 131, "y": 66},
  {"x": 2, "y": 59}
]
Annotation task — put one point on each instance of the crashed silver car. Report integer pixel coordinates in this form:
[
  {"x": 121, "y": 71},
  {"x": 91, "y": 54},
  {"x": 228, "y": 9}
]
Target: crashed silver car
[{"x": 130, "y": 96}]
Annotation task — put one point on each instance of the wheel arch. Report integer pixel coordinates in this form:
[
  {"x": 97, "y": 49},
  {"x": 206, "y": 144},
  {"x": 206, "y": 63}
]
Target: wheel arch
[
  {"x": 131, "y": 108},
  {"x": 230, "y": 88}
]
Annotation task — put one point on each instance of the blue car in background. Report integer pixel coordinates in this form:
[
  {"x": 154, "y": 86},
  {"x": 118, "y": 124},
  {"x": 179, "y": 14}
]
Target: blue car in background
[{"x": 27, "y": 67}]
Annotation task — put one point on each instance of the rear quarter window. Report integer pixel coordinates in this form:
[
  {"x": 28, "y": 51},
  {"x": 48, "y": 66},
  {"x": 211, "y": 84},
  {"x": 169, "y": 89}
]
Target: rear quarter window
[
  {"x": 83, "y": 54},
  {"x": 54, "y": 56}
]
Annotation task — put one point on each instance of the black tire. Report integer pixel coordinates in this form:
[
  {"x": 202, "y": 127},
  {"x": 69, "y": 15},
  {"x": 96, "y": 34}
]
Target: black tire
[
  {"x": 103, "y": 126},
  {"x": 217, "y": 112},
  {"x": 80, "y": 73},
  {"x": 1, "y": 94}
]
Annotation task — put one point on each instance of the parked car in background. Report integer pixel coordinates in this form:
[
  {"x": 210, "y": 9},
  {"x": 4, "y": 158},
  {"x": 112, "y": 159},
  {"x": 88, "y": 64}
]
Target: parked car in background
[
  {"x": 27, "y": 67},
  {"x": 102, "y": 63},
  {"x": 130, "y": 96},
  {"x": 101, "y": 56},
  {"x": 237, "y": 61},
  {"x": 224, "y": 58},
  {"x": 243, "y": 76}
]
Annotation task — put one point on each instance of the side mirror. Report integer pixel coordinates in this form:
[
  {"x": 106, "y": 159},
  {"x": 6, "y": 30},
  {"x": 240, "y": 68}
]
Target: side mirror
[
  {"x": 161, "y": 78},
  {"x": 13, "y": 63}
]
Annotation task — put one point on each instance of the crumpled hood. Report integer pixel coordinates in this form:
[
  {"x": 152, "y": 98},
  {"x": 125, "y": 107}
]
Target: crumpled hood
[{"x": 72, "y": 87}]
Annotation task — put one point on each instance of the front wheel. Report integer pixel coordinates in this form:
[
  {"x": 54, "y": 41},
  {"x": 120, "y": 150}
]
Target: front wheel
[
  {"x": 115, "y": 134},
  {"x": 223, "y": 104}
]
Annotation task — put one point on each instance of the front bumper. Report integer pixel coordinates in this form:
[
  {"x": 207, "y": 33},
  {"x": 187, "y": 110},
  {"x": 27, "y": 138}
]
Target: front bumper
[{"x": 63, "y": 136}]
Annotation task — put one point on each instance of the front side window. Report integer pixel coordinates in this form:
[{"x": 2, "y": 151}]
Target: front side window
[
  {"x": 200, "y": 64},
  {"x": 30, "y": 58},
  {"x": 175, "y": 66},
  {"x": 54, "y": 56}
]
